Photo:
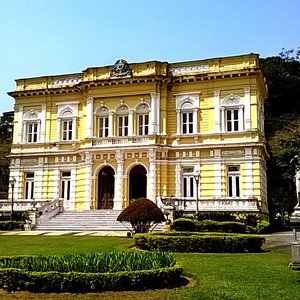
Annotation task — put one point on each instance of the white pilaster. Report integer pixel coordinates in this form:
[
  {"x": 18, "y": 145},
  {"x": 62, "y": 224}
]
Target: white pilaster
[
  {"x": 89, "y": 117},
  {"x": 130, "y": 122},
  {"x": 247, "y": 108},
  {"x": 195, "y": 120},
  {"x": 59, "y": 136},
  {"x": 119, "y": 181},
  {"x": 111, "y": 124},
  {"x": 155, "y": 113},
  {"x": 73, "y": 190},
  {"x": 241, "y": 118},
  {"x": 43, "y": 124},
  {"x": 88, "y": 181},
  {"x": 177, "y": 180},
  {"x": 178, "y": 122},
  {"x": 152, "y": 174},
  {"x": 217, "y": 110},
  {"x": 20, "y": 125},
  {"x": 223, "y": 120},
  {"x": 74, "y": 131}
]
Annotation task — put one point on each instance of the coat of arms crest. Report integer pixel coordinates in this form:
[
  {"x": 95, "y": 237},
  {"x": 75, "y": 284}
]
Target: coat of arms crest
[{"x": 121, "y": 68}]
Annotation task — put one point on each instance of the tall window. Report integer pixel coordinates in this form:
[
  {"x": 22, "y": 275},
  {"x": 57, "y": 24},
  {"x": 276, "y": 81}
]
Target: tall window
[
  {"x": 233, "y": 174},
  {"x": 232, "y": 120},
  {"x": 103, "y": 121},
  {"x": 31, "y": 127},
  {"x": 188, "y": 182},
  {"x": 65, "y": 185},
  {"x": 67, "y": 130},
  {"x": 29, "y": 185},
  {"x": 32, "y": 132},
  {"x": 122, "y": 120},
  {"x": 187, "y": 122},
  {"x": 143, "y": 118}
]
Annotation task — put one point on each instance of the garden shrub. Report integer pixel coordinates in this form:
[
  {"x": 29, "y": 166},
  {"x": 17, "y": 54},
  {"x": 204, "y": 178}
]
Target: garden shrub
[
  {"x": 215, "y": 226},
  {"x": 184, "y": 224},
  {"x": 90, "y": 272},
  {"x": 143, "y": 214},
  {"x": 11, "y": 225},
  {"x": 216, "y": 216},
  {"x": 250, "y": 220},
  {"x": 263, "y": 227},
  {"x": 210, "y": 243},
  {"x": 17, "y": 216}
]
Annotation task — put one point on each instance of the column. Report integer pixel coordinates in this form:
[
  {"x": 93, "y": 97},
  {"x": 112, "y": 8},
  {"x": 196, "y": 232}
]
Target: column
[
  {"x": 155, "y": 113},
  {"x": 88, "y": 180},
  {"x": 20, "y": 125},
  {"x": 178, "y": 123},
  {"x": 43, "y": 124},
  {"x": 178, "y": 180},
  {"x": 89, "y": 117},
  {"x": 59, "y": 129},
  {"x": 217, "y": 110},
  {"x": 152, "y": 174},
  {"x": 111, "y": 124},
  {"x": 247, "y": 108},
  {"x": 130, "y": 122},
  {"x": 119, "y": 181},
  {"x": 24, "y": 132},
  {"x": 74, "y": 131},
  {"x": 241, "y": 118},
  {"x": 195, "y": 120},
  {"x": 223, "y": 120},
  {"x": 73, "y": 190}
]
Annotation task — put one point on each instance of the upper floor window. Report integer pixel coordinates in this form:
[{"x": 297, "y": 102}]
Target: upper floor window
[
  {"x": 142, "y": 112},
  {"x": 31, "y": 127},
  {"x": 233, "y": 181},
  {"x": 67, "y": 125},
  {"x": 187, "y": 107},
  {"x": 232, "y": 114},
  {"x": 67, "y": 130},
  {"x": 122, "y": 116},
  {"x": 103, "y": 122}
]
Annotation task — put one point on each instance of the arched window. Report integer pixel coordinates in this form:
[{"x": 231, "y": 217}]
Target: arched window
[
  {"x": 31, "y": 125},
  {"x": 103, "y": 121},
  {"x": 142, "y": 113},
  {"x": 232, "y": 114},
  {"x": 187, "y": 119},
  {"x": 122, "y": 115}
]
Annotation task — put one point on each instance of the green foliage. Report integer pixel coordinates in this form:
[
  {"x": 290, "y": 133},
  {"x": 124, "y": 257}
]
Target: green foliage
[
  {"x": 184, "y": 224},
  {"x": 263, "y": 227},
  {"x": 216, "y": 216},
  {"x": 142, "y": 214},
  {"x": 214, "y": 243},
  {"x": 250, "y": 219},
  {"x": 91, "y": 262},
  {"x": 75, "y": 282},
  {"x": 17, "y": 216},
  {"x": 214, "y": 226},
  {"x": 11, "y": 225}
]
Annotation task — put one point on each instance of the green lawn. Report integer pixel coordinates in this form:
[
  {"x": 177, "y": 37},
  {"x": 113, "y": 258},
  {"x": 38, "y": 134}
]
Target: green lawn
[{"x": 218, "y": 276}]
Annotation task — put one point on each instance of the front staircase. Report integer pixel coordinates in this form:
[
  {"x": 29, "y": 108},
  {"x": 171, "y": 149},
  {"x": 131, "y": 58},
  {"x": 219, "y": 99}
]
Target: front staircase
[{"x": 90, "y": 220}]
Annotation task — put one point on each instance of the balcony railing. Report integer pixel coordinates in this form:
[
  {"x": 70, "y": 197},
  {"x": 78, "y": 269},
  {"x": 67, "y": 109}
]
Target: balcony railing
[
  {"x": 209, "y": 204},
  {"x": 122, "y": 140}
]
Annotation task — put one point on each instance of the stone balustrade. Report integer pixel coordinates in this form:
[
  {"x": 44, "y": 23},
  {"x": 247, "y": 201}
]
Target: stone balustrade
[{"x": 121, "y": 140}]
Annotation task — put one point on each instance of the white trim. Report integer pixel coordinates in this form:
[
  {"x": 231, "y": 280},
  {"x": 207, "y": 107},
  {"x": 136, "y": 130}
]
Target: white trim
[
  {"x": 43, "y": 124},
  {"x": 217, "y": 110},
  {"x": 218, "y": 179},
  {"x": 89, "y": 116},
  {"x": 247, "y": 104}
]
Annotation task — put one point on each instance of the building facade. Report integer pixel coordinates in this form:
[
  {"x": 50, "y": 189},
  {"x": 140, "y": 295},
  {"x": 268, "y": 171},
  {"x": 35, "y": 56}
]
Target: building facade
[{"x": 99, "y": 138}]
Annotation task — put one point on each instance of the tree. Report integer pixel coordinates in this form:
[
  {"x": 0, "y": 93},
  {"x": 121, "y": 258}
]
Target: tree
[
  {"x": 143, "y": 214},
  {"x": 6, "y": 131},
  {"x": 282, "y": 126}
]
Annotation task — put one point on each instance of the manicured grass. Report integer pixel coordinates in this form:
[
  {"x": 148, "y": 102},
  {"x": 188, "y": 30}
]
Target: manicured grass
[{"x": 218, "y": 276}]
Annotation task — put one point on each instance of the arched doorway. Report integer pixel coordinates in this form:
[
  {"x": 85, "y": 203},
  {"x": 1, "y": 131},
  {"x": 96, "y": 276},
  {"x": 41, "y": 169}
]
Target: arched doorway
[
  {"x": 106, "y": 188},
  {"x": 138, "y": 182}
]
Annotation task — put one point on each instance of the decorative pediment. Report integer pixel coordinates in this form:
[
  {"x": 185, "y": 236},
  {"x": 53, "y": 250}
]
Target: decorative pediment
[
  {"x": 231, "y": 100},
  {"x": 31, "y": 115}
]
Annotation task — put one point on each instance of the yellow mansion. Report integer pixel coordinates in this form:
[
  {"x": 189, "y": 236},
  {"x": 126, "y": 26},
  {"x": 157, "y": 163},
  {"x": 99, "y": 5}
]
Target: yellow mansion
[{"x": 106, "y": 135}]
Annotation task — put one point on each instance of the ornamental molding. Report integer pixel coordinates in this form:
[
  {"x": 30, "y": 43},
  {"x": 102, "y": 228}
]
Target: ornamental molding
[{"x": 189, "y": 69}]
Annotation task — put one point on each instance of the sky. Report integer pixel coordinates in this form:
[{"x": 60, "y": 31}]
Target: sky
[{"x": 52, "y": 37}]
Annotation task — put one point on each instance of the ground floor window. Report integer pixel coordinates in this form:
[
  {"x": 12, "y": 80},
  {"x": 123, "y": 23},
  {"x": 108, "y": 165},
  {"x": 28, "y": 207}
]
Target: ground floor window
[
  {"x": 65, "y": 185},
  {"x": 188, "y": 182},
  {"x": 233, "y": 173},
  {"x": 29, "y": 185}
]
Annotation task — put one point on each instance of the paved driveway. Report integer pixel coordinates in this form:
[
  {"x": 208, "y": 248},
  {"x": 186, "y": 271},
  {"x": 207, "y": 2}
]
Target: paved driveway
[{"x": 278, "y": 240}]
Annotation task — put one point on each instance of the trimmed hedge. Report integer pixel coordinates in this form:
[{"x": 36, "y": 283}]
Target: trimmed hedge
[
  {"x": 184, "y": 224},
  {"x": 73, "y": 282},
  {"x": 215, "y": 226},
  {"x": 209, "y": 243},
  {"x": 11, "y": 225}
]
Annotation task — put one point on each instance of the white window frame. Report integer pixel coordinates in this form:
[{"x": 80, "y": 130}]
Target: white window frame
[
  {"x": 123, "y": 120},
  {"x": 103, "y": 126},
  {"x": 32, "y": 132},
  {"x": 29, "y": 185},
  {"x": 189, "y": 184},
  {"x": 187, "y": 126},
  {"x": 233, "y": 182},
  {"x": 67, "y": 133},
  {"x": 142, "y": 118},
  {"x": 232, "y": 119},
  {"x": 65, "y": 189}
]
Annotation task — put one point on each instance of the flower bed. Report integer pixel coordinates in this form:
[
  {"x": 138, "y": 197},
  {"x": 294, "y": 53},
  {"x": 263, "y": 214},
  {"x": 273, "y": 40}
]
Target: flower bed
[{"x": 90, "y": 272}]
